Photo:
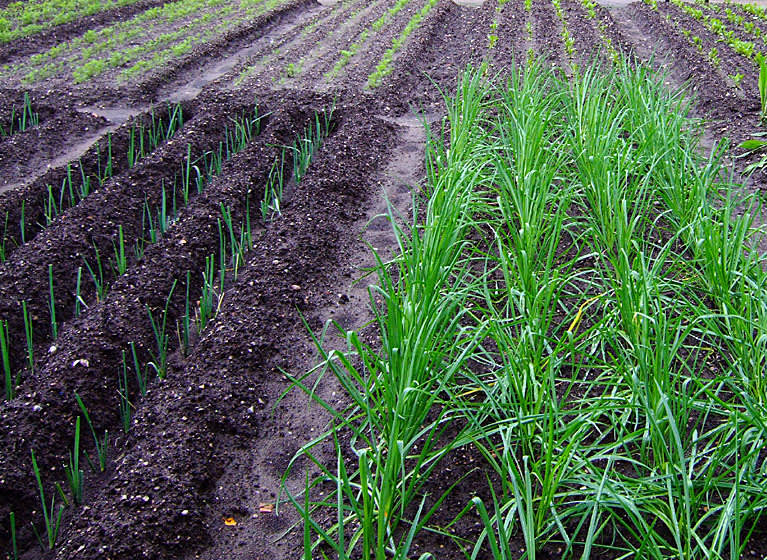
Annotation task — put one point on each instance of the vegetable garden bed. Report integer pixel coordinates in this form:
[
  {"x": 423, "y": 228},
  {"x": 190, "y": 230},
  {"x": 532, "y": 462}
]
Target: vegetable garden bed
[{"x": 552, "y": 345}]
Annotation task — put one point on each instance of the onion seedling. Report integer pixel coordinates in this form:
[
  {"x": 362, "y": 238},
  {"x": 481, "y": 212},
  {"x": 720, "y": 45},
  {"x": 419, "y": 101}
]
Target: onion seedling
[
  {"x": 141, "y": 376},
  {"x": 14, "y": 547},
  {"x": 125, "y": 404},
  {"x": 72, "y": 471},
  {"x": 52, "y": 304},
  {"x": 97, "y": 275},
  {"x": 78, "y": 298},
  {"x": 102, "y": 445},
  {"x": 121, "y": 260},
  {"x": 51, "y": 516},
  {"x": 10, "y": 381},
  {"x": 159, "y": 328},
  {"x": 28, "y": 336}
]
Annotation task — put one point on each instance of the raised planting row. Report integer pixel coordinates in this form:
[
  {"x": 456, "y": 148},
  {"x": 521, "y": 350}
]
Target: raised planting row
[{"x": 579, "y": 309}]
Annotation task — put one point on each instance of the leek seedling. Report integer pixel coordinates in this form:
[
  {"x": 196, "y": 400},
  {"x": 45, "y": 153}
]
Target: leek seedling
[
  {"x": 121, "y": 260},
  {"x": 52, "y": 304},
  {"x": 140, "y": 375},
  {"x": 14, "y": 547},
  {"x": 50, "y": 207},
  {"x": 51, "y": 517},
  {"x": 28, "y": 336},
  {"x": 108, "y": 171},
  {"x": 72, "y": 471},
  {"x": 102, "y": 445},
  {"x": 125, "y": 404},
  {"x": 97, "y": 275},
  {"x": 206, "y": 307},
  {"x": 78, "y": 298},
  {"x": 275, "y": 182},
  {"x": 10, "y": 382},
  {"x": 159, "y": 328},
  {"x": 763, "y": 86}
]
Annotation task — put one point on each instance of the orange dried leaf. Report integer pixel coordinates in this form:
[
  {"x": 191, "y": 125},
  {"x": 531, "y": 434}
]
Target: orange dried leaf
[{"x": 230, "y": 521}]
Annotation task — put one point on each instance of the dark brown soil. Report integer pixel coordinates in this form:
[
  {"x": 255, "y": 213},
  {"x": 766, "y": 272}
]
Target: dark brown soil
[{"x": 211, "y": 441}]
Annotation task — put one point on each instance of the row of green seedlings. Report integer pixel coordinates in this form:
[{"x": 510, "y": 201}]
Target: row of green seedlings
[
  {"x": 218, "y": 274},
  {"x": 108, "y": 39},
  {"x": 735, "y": 18},
  {"x": 236, "y": 139},
  {"x": 20, "y": 119},
  {"x": 233, "y": 245},
  {"x": 143, "y": 139},
  {"x": 712, "y": 55},
  {"x": 375, "y": 27},
  {"x": 384, "y": 66},
  {"x": 74, "y": 480},
  {"x": 302, "y": 150},
  {"x": 746, "y": 49},
  {"x": 194, "y": 175},
  {"x": 492, "y": 37},
  {"x": 182, "y": 42},
  {"x": 22, "y": 19},
  {"x": 293, "y": 69},
  {"x": 753, "y": 9},
  {"x": 591, "y": 13},
  {"x": 567, "y": 39}
]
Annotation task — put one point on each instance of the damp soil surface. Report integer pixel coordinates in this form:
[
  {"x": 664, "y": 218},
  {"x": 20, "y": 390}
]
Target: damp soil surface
[{"x": 196, "y": 472}]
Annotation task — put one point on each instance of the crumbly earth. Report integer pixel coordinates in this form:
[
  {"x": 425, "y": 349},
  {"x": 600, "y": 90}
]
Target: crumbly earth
[{"x": 198, "y": 474}]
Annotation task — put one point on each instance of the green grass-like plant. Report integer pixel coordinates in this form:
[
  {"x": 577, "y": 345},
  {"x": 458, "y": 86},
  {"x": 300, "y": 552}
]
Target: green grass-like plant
[{"x": 606, "y": 364}]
